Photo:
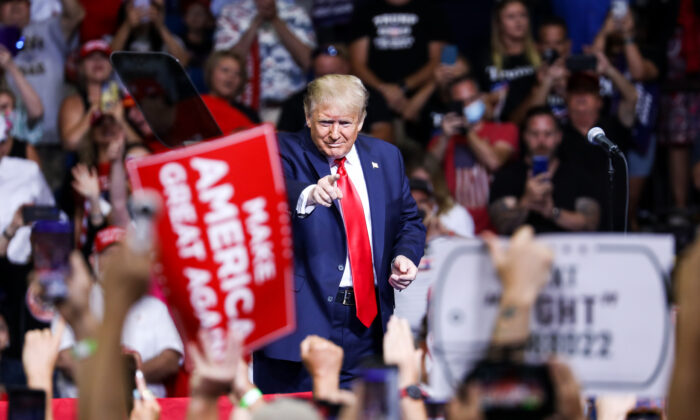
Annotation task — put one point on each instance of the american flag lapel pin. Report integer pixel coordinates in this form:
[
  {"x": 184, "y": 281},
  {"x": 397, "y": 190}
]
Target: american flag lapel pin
[{"x": 375, "y": 165}]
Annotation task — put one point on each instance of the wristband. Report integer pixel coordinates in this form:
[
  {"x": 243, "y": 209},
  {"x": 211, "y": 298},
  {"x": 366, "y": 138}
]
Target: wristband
[
  {"x": 629, "y": 40},
  {"x": 84, "y": 348},
  {"x": 250, "y": 398},
  {"x": 556, "y": 212}
]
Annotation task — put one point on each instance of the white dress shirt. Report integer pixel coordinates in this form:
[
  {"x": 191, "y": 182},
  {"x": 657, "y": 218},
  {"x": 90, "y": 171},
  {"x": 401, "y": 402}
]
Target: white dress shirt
[
  {"x": 148, "y": 329},
  {"x": 21, "y": 182},
  {"x": 354, "y": 171}
]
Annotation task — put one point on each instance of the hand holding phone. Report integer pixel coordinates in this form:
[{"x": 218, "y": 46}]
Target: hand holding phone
[
  {"x": 582, "y": 62},
  {"x": 540, "y": 165},
  {"x": 52, "y": 243},
  {"x": 511, "y": 390},
  {"x": 380, "y": 399}
]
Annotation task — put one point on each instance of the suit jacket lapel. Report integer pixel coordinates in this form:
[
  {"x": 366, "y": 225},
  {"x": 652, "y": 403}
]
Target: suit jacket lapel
[{"x": 377, "y": 199}]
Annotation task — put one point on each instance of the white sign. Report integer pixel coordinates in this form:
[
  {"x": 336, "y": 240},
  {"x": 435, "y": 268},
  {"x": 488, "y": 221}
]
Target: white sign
[{"x": 605, "y": 311}]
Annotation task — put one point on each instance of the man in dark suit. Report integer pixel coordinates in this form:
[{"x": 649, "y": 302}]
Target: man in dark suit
[{"x": 357, "y": 234}]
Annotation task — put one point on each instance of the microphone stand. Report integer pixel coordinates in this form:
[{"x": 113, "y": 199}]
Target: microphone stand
[{"x": 611, "y": 192}]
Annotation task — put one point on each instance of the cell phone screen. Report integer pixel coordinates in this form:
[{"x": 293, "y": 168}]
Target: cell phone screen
[
  {"x": 166, "y": 96},
  {"x": 540, "y": 165},
  {"x": 381, "y": 395},
  {"x": 644, "y": 414},
  {"x": 449, "y": 55},
  {"x": 514, "y": 391},
  {"x": 26, "y": 404},
  {"x": 52, "y": 243}
]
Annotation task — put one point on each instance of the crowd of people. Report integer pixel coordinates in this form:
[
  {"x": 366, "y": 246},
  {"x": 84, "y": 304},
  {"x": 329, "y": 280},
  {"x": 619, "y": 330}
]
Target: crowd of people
[{"x": 490, "y": 103}]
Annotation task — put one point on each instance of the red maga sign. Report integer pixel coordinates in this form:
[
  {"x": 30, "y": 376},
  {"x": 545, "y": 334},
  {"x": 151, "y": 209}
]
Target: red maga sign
[{"x": 225, "y": 236}]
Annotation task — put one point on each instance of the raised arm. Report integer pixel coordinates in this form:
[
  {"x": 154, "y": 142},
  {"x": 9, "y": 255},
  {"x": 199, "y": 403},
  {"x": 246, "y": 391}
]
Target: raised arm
[
  {"x": 73, "y": 13},
  {"x": 30, "y": 99}
]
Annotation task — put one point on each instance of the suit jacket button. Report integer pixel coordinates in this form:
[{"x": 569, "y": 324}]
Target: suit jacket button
[
  {"x": 330, "y": 298},
  {"x": 341, "y": 267}
]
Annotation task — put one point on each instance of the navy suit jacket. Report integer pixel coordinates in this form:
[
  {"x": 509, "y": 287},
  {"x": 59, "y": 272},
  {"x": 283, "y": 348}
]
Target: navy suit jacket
[{"x": 320, "y": 245}]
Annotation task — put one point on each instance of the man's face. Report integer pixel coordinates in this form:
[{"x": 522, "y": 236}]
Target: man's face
[
  {"x": 553, "y": 37},
  {"x": 542, "y": 136},
  {"x": 15, "y": 13},
  {"x": 465, "y": 92},
  {"x": 326, "y": 64},
  {"x": 334, "y": 129}
]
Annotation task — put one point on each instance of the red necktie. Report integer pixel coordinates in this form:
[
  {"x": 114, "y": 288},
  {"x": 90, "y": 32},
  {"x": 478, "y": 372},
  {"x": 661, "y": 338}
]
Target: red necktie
[{"x": 359, "y": 250}]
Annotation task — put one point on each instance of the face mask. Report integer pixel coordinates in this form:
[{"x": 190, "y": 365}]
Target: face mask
[{"x": 474, "y": 111}]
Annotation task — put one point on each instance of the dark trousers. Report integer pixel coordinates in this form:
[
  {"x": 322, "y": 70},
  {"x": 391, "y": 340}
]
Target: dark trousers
[{"x": 275, "y": 376}]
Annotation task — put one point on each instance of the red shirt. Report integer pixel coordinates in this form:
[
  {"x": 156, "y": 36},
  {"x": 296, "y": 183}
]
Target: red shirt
[
  {"x": 467, "y": 179},
  {"x": 227, "y": 117}
]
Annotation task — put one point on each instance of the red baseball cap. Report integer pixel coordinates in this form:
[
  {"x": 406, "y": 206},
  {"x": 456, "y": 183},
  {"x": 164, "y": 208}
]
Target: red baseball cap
[
  {"x": 95, "y": 45},
  {"x": 108, "y": 236}
]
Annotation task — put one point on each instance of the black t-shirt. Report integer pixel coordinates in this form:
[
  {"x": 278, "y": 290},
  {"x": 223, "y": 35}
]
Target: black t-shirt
[
  {"x": 293, "y": 119},
  {"x": 398, "y": 36},
  {"x": 518, "y": 75},
  {"x": 576, "y": 148},
  {"x": 569, "y": 183}
]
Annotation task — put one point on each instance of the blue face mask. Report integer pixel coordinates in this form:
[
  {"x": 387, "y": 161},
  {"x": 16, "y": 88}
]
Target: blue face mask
[{"x": 474, "y": 111}]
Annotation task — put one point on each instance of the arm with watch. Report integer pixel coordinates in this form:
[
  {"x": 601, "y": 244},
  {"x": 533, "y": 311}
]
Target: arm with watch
[{"x": 399, "y": 350}]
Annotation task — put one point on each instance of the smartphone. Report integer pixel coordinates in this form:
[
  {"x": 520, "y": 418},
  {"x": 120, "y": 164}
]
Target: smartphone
[
  {"x": 12, "y": 39},
  {"x": 109, "y": 97},
  {"x": 381, "y": 393},
  {"x": 514, "y": 391},
  {"x": 449, "y": 55},
  {"x": 26, "y": 404},
  {"x": 52, "y": 243},
  {"x": 618, "y": 9},
  {"x": 32, "y": 214},
  {"x": 540, "y": 165},
  {"x": 582, "y": 62},
  {"x": 644, "y": 414},
  {"x": 549, "y": 56}
]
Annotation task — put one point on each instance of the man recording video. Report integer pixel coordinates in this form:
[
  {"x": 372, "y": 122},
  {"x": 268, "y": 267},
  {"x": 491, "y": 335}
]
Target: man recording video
[{"x": 540, "y": 189}]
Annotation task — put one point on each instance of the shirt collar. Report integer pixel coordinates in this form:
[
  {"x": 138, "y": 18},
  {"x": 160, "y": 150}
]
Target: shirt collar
[{"x": 351, "y": 158}]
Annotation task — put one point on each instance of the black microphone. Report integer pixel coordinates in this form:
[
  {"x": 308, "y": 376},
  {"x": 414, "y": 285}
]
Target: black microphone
[{"x": 596, "y": 136}]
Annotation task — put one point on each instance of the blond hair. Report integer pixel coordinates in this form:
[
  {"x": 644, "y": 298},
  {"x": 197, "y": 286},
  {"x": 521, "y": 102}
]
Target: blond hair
[
  {"x": 345, "y": 91},
  {"x": 497, "y": 48}
]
